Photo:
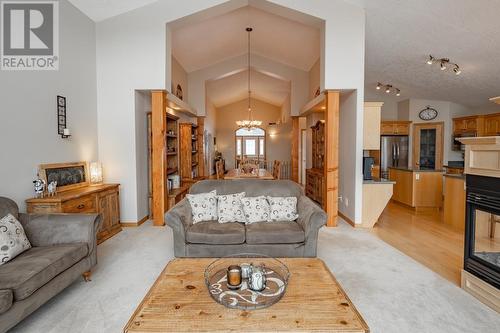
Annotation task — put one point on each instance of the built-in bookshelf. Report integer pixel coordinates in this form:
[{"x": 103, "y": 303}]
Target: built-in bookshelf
[
  {"x": 190, "y": 153},
  {"x": 171, "y": 152},
  {"x": 315, "y": 186}
]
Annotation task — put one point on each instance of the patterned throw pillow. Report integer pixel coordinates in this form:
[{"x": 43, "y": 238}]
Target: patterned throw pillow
[
  {"x": 256, "y": 209},
  {"x": 203, "y": 206},
  {"x": 13, "y": 240},
  {"x": 230, "y": 208},
  {"x": 283, "y": 208}
]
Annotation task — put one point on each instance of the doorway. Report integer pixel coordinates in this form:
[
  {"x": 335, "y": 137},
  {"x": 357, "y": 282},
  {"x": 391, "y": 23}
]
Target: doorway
[{"x": 428, "y": 146}]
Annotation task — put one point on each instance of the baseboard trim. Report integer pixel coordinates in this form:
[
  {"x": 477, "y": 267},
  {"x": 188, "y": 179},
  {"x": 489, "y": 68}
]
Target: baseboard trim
[
  {"x": 134, "y": 224},
  {"x": 348, "y": 220}
]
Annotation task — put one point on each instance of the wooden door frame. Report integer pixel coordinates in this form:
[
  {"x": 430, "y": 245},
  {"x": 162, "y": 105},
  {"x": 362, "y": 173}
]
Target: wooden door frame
[
  {"x": 439, "y": 126},
  {"x": 302, "y": 168},
  {"x": 331, "y": 167},
  {"x": 158, "y": 160},
  {"x": 295, "y": 150}
]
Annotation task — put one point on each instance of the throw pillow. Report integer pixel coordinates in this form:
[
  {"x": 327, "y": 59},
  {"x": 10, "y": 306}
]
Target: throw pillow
[
  {"x": 230, "y": 208},
  {"x": 13, "y": 240},
  {"x": 203, "y": 206},
  {"x": 256, "y": 209},
  {"x": 283, "y": 208}
]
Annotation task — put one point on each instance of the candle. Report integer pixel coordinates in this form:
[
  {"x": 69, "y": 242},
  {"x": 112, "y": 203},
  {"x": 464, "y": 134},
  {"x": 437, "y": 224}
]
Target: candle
[
  {"x": 246, "y": 270},
  {"x": 257, "y": 280},
  {"x": 66, "y": 132},
  {"x": 233, "y": 277}
]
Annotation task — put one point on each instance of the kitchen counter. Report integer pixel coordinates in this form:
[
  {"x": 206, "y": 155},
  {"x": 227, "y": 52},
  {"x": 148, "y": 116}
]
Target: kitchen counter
[
  {"x": 415, "y": 169},
  {"x": 378, "y": 181},
  {"x": 455, "y": 175},
  {"x": 454, "y": 201}
]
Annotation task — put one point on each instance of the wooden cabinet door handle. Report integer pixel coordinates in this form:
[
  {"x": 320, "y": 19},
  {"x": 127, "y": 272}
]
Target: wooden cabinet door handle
[{"x": 80, "y": 206}]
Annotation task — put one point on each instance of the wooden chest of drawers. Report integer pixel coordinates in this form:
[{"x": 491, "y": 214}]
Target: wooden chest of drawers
[{"x": 95, "y": 199}]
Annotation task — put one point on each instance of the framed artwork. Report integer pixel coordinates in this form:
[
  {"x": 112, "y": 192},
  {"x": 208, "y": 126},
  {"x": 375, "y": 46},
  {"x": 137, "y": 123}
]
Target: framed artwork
[
  {"x": 61, "y": 116},
  {"x": 67, "y": 175}
]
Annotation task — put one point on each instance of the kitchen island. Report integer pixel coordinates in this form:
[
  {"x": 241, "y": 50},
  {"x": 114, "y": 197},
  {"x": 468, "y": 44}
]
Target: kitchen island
[
  {"x": 454, "y": 201},
  {"x": 417, "y": 188}
]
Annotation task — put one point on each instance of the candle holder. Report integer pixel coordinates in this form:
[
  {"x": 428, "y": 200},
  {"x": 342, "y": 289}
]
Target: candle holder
[
  {"x": 234, "y": 283},
  {"x": 234, "y": 277}
]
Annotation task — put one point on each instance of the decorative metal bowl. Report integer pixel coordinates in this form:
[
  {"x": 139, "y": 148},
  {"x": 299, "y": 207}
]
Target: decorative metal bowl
[{"x": 244, "y": 298}]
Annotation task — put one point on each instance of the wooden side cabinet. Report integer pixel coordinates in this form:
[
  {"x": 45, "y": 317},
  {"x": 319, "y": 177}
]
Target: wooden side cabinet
[{"x": 101, "y": 199}]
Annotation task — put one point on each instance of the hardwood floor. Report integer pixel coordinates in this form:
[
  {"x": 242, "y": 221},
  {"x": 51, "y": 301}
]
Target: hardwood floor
[{"x": 425, "y": 238}]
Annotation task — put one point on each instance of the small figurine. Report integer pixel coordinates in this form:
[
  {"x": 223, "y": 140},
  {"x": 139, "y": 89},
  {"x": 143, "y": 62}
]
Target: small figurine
[
  {"x": 39, "y": 185},
  {"x": 52, "y": 188}
]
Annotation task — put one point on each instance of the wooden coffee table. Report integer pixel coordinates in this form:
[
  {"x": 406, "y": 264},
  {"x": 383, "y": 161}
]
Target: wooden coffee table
[{"x": 179, "y": 302}]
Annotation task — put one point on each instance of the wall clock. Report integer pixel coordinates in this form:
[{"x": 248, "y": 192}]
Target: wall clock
[{"x": 428, "y": 114}]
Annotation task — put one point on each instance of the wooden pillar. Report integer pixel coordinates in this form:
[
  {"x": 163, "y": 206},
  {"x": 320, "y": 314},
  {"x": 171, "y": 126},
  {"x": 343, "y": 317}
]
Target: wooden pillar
[
  {"x": 158, "y": 159},
  {"x": 201, "y": 146},
  {"x": 332, "y": 112},
  {"x": 295, "y": 149}
]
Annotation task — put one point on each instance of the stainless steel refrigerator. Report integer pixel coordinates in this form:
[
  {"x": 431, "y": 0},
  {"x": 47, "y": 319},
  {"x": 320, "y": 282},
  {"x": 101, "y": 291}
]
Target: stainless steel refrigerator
[{"x": 393, "y": 153}]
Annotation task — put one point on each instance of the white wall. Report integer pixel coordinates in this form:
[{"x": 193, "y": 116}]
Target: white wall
[
  {"x": 179, "y": 76},
  {"x": 28, "y": 117},
  {"x": 142, "y": 107},
  {"x": 133, "y": 47},
  {"x": 210, "y": 127},
  {"x": 347, "y": 174},
  {"x": 314, "y": 78},
  {"x": 390, "y": 107},
  {"x": 445, "y": 114},
  {"x": 278, "y": 146}
]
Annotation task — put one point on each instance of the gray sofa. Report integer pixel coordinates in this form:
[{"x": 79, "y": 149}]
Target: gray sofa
[
  {"x": 277, "y": 239},
  {"x": 63, "y": 248}
]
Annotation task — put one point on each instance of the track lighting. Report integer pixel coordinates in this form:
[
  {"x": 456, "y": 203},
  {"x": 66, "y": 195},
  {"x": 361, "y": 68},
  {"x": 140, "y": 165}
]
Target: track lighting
[
  {"x": 444, "y": 63},
  {"x": 388, "y": 88}
]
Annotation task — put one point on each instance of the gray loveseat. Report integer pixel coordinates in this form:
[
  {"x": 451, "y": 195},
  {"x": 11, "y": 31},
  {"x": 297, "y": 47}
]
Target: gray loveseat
[
  {"x": 63, "y": 248},
  {"x": 277, "y": 239}
]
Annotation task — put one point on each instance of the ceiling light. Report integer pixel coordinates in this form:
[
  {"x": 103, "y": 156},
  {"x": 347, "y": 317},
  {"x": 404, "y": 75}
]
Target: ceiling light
[
  {"x": 249, "y": 123},
  {"x": 444, "y": 64},
  {"x": 388, "y": 88}
]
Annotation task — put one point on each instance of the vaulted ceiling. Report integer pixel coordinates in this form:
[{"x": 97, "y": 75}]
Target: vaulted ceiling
[
  {"x": 280, "y": 39},
  {"x": 233, "y": 88}
]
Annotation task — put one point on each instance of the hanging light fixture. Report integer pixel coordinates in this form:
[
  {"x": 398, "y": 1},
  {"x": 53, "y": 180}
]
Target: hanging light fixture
[
  {"x": 249, "y": 123},
  {"x": 388, "y": 88},
  {"x": 444, "y": 63}
]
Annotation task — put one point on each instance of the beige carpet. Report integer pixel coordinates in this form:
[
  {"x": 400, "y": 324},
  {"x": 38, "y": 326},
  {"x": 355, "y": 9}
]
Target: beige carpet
[{"x": 393, "y": 292}]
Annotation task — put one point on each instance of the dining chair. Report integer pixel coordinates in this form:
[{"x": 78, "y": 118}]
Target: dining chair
[
  {"x": 219, "y": 168},
  {"x": 277, "y": 169}
]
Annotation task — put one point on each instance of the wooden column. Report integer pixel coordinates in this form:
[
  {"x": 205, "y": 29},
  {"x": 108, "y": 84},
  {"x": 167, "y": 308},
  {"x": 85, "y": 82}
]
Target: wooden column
[
  {"x": 158, "y": 159},
  {"x": 295, "y": 149},
  {"x": 332, "y": 156},
  {"x": 201, "y": 146}
]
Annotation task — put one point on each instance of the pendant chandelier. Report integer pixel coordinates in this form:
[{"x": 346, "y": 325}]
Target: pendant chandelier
[{"x": 249, "y": 123}]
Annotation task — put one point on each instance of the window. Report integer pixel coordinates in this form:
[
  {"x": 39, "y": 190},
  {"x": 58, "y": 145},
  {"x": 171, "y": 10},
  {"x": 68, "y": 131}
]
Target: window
[{"x": 250, "y": 143}]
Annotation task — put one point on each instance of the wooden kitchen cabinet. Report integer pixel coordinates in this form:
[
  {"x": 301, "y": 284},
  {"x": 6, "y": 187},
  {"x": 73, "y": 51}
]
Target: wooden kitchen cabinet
[
  {"x": 492, "y": 125},
  {"x": 93, "y": 199},
  {"x": 371, "y": 125},
  {"x": 395, "y": 128},
  {"x": 470, "y": 124}
]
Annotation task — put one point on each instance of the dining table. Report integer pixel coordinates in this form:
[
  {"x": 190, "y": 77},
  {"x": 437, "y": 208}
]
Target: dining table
[{"x": 257, "y": 174}]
